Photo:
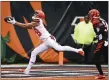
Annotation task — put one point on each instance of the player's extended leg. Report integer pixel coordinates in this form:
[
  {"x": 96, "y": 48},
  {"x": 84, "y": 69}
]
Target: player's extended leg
[
  {"x": 105, "y": 54},
  {"x": 52, "y": 43},
  {"x": 42, "y": 47},
  {"x": 97, "y": 54},
  {"x": 98, "y": 66}
]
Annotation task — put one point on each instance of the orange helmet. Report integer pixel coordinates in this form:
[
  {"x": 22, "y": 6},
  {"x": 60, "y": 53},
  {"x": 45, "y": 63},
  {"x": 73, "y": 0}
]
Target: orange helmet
[
  {"x": 39, "y": 13},
  {"x": 94, "y": 16},
  {"x": 94, "y": 13}
]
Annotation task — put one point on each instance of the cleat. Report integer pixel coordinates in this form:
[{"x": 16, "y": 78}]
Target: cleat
[
  {"x": 21, "y": 70},
  {"x": 26, "y": 71},
  {"x": 81, "y": 52},
  {"x": 100, "y": 77}
]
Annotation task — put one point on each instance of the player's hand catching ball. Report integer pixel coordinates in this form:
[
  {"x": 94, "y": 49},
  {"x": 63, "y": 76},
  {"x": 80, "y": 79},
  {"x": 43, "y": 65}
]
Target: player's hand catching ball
[{"x": 10, "y": 20}]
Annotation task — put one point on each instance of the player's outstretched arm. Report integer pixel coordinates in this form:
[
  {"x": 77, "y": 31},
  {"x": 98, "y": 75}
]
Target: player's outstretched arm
[
  {"x": 11, "y": 20},
  {"x": 27, "y": 26}
]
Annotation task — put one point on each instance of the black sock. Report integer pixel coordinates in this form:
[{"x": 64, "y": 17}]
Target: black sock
[{"x": 98, "y": 66}]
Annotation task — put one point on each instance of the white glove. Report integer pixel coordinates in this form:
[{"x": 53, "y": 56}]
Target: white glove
[
  {"x": 11, "y": 20},
  {"x": 105, "y": 43}
]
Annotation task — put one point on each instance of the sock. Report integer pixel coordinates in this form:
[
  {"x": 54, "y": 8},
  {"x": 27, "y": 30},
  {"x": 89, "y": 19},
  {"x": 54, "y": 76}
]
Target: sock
[
  {"x": 98, "y": 66},
  {"x": 29, "y": 65},
  {"x": 68, "y": 48}
]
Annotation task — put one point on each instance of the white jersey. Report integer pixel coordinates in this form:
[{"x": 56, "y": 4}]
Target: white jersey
[{"x": 41, "y": 31}]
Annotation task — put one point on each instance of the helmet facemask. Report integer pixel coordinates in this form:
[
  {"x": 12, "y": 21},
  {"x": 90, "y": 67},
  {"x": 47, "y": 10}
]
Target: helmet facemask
[
  {"x": 94, "y": 16},
  {"x": 95, "y": 20},
  {"x": 35, "y": 15}
]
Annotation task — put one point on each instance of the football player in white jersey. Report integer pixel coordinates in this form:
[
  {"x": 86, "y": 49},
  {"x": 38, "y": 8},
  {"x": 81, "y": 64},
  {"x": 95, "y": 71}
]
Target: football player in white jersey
[{"x": 48, "y": 40}]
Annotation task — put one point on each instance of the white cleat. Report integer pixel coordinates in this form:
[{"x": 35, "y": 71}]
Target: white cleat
[{"x": 26, "y": 71}]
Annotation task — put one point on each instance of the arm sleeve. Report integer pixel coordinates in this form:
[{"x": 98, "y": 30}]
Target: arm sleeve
[
  {"x": 104, "y": 29},
  {"x": 105, "y": 33}
]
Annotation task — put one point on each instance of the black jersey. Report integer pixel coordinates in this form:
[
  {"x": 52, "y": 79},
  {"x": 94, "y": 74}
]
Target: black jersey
[{"x": 101, "y": 30}]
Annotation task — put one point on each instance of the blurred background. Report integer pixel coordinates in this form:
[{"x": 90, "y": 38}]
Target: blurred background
[{"x": 17, "y": 43}]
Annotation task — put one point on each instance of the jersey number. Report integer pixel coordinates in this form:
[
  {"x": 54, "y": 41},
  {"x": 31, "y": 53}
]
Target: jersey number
[{"x": 37, "y": 31}]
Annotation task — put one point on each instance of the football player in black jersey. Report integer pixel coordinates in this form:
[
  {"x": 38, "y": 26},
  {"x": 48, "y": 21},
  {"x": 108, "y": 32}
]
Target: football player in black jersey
[{"x": 101, "y": 30}]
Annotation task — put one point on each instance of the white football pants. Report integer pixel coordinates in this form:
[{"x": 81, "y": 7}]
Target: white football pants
[{"x": 49, "y": 43}]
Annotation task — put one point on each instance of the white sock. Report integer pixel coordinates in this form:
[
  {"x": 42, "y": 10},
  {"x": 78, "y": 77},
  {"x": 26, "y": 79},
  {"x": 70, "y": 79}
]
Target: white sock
[
  {"x": 29, "y": 65},
  {"x": 68, "y": 48},
  {"x": 31, "y": 61}
]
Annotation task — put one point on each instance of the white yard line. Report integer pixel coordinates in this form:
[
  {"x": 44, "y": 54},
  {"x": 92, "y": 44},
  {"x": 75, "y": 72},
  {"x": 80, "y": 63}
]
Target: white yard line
[{"x": 49, "y": 65}]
